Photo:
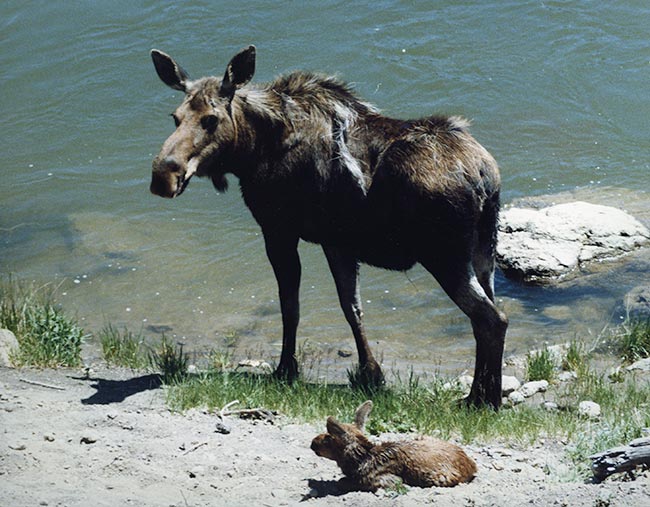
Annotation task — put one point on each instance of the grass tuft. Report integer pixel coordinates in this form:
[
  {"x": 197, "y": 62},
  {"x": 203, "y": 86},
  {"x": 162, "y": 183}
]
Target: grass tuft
[
  {"x": 170, "y": 361},
  {"x": 45, "y": 335},
  {"x": 634, "y": 340},
  {"x": 123, "y": 348},
  {"x": 540, "y": 365}
]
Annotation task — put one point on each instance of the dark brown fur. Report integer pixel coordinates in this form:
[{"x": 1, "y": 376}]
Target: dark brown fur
[
  {"x": 423, "y": 462},
  {"x": 316, "y": 163}
]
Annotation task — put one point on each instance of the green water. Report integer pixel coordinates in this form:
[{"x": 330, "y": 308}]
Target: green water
[{"x": 557, "y": 91}]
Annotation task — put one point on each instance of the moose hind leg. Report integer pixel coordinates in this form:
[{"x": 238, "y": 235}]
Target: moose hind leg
[
  {"x": 460, "y": 282},
  {"x": 345, "y": 270}
]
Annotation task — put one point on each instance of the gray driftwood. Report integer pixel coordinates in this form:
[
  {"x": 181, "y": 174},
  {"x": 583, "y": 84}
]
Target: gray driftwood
[{"x": 621, "y": 459}]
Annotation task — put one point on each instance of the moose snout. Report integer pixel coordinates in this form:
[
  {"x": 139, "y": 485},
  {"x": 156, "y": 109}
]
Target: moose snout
[{"x": 165, "y": 177}]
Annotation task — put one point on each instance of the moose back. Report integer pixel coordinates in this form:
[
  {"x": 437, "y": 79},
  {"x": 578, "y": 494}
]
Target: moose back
[{"x": 316, "y": 163}]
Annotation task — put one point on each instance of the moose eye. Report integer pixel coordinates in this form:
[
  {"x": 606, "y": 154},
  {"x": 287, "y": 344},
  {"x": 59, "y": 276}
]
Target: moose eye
[
  {"x": 209, "y": 122},
  {"x": 177, "y": 122}
]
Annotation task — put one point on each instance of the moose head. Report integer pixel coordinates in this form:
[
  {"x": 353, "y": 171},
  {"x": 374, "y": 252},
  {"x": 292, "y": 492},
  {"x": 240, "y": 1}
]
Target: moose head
[{"x": 205, "y": 127}]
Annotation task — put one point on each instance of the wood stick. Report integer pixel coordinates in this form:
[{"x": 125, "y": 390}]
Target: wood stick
[{"x": 42, "y": 384}]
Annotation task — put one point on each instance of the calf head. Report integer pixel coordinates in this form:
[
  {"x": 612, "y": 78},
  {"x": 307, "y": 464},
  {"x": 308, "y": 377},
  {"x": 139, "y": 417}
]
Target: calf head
[
  {"x": 341, "y": 437},
  {"x": 205, "y": 128}
]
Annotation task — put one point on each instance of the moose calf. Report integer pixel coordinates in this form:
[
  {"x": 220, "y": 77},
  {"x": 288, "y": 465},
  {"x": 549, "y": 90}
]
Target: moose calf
[{"x": 424, "y": 462}]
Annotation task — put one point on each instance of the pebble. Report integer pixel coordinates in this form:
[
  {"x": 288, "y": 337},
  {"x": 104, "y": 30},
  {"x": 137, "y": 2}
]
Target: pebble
[
  {"x": 516, "y": 397},
  {"x": 589, "y": 409},
  {"x": 509, "y": 384},
  {"x": 534, "y": 387},
  {"x": 641, "y": 364},
  {"x": 550, "y": 406}
]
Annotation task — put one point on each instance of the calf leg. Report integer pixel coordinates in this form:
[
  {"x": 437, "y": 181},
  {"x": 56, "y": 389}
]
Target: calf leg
[
  {"x": 283, "y": 254},
  {"x": 345, "y": 270},
  {"x": 460, "y": 282}
]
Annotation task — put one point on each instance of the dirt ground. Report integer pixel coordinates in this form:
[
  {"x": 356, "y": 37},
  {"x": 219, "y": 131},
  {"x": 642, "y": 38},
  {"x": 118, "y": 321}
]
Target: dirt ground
[{"x": 109, "y": 440}]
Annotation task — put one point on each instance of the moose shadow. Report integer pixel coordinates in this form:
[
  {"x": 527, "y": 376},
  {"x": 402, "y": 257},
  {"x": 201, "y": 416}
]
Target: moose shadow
[
  {"x": 116, "y": 391},
  {"x": 322, "y": 489}
]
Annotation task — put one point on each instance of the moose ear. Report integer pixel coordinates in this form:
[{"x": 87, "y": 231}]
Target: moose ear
[
  {"x": 169, "y": 71},
  {"x": 361, "y": 415},
  {"x": 335, "y": 428},
  {"x": 239, "y": 72}
]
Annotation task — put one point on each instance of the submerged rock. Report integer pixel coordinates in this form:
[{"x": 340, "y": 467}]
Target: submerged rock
[
  {"x": 636, "y": 303},
  {"x": 540, "y": 245}
]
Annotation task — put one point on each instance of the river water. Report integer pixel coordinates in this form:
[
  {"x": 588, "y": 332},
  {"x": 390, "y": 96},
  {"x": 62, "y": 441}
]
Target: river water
[{"x": 556, "y": 90}]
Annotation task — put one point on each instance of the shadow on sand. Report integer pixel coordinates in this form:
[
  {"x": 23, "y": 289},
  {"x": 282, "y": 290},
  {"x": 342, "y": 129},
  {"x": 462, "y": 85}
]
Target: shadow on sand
[{"x": 116, "y": 391}]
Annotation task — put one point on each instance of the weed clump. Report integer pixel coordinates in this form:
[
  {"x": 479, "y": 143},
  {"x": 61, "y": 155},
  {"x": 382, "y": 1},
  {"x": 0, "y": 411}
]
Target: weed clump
[{"x": 46, "y": 336}]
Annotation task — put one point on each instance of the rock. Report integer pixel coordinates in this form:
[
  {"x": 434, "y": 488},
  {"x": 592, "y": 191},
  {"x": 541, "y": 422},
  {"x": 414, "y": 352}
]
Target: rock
[
  {"x": 534, "y": 387},
  {"x": 589, "y": 409},
  {"x": 636, "y": 303},
  {"x": 567, "y": 376},
  {"x": 540, "y": 245},
  {"x": 465, "y": 382},
  {"x": 8, "y": 346},
  {"x": 550, "y": 406},
  {"x": 516, "y": 397},
  {"x": 256, "y": 364},
  {"x": 509, "y": 384},
  {"x": 641, "y": 364}
]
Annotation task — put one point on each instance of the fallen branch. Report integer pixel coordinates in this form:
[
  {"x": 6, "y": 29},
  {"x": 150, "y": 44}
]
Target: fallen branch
[
  {"x": 621, "y": 459},
  {"x": 42, "y": 384},
  {"x": 195, "y": 448}
]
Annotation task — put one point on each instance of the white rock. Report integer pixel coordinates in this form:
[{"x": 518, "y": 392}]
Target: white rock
[
  {"x": 550, "y": 406},
  {"x": 566, "y": 376},
  {"x": 534, "y": 387},
  {"x": 641, "y": 364},
  {"x": 8, "y": 346},
  {"x": 509, "y": 384},
  {"x": 516, "y": 397},
  {"x": 465, "y": 382},
  {"x": 553, "y": 241},
  {"x": 589, "y": 409}
]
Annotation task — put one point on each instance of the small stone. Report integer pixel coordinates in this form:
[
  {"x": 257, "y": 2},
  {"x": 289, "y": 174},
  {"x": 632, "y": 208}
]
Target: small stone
[
  {"x": 344, "y": 353},
  {"x": 534, "y": 387},
  {"x": 641, "y": 364},
  {"x": 550, "y": 406},
  {"x": 497, "y": 465},
  {"x": 88, "y": 439},
  {"x": 465, "y": 382},
  {"x": 509, "y": 384},
  {"x": 589, "y": 409},
  {"x": 516, "y": 397},
  {"x": 566, "y": 376},
  {"x": 48, "y": 437}
]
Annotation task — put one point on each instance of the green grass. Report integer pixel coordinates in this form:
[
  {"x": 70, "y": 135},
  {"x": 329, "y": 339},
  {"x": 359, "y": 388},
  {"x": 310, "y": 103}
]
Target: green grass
[
  {"x": 540, "y": 365},
  {"x": 170, "y": 361},
  {"x": 46, "y": 336},
  {"x": 633, "y": 340},
  {"x": 408, "y": 402},
  {"x": 123, "y": 348}
]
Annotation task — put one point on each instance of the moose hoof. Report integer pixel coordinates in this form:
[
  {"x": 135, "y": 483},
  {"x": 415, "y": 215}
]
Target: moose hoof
[
  {"x": 480, "y": 402},
  {"x": 287, "y": 372},
  {"x": 367, "y": 377}
]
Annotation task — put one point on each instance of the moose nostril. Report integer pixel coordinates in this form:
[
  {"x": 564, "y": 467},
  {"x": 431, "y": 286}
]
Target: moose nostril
[{"x": 170, "y": 164}]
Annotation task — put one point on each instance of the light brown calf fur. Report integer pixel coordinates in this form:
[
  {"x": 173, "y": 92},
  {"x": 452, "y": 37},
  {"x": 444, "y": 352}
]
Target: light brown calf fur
[{"x": 424, "y": 462}]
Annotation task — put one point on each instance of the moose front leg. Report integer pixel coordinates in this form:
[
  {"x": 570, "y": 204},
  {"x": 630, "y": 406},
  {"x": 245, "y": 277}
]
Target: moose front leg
[
  {"x": 345, "y": 269},
  {"x": 283, "y": 254}
]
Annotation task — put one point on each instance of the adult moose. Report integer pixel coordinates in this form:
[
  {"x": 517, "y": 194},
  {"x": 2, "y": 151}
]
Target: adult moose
[{"x": 316, "y": 163}]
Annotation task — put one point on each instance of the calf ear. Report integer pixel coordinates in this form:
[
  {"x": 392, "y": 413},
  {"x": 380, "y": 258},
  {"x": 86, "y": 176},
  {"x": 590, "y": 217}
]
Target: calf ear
[
  {"x": 169, "y": 71},
  {"x": 335, "y": 428},
  {"x": 361, "y": 415},
  {"x": 239, "y": 72}
]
